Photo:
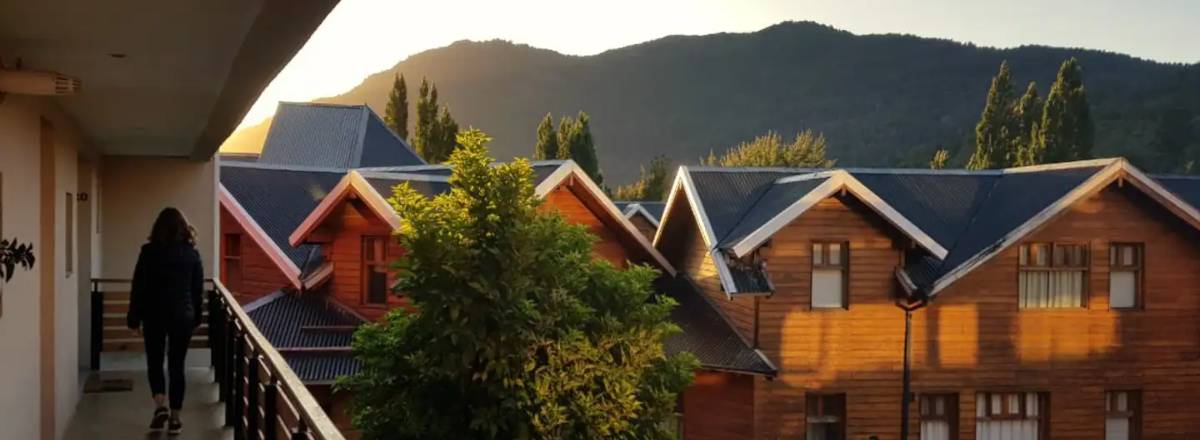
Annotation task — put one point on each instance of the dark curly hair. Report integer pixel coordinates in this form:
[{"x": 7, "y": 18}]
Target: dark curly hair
[{"x": 172, "y": 227}]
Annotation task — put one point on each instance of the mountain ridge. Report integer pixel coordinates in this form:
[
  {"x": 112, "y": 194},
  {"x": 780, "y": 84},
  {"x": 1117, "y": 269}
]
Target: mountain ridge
[{"x": 881, "y": 99}]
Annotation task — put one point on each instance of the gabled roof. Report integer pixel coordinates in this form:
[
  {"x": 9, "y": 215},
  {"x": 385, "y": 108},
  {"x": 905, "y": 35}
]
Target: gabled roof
[
  {"x": 310, "y": 322},
  {"x": 960, "y": 218},
  {"x": 335, "y": 136},
  {"x": 269, "y": 201},
  {"x": 374, "y": 185},
  {"x": 706, "y": 333},
  {"x": 651, "y": 211}
]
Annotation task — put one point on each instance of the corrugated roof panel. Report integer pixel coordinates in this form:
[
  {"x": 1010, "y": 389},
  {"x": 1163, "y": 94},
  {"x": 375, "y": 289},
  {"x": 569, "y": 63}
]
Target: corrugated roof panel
[
  {"x": 382, "y": 147},
  {"x": 1013, "y": 200},
  {"x": 940, "y": 204},
  {"x": 774, "y": 200},
  {"x": 322, "y": 367},
  {"x": 279, "y": 199},
  {"x": 283, "y": 321},
  {"x": 705, "y": 333},
  {"x": 318, "y": 135},
  {"x": 727, "y": 194}
]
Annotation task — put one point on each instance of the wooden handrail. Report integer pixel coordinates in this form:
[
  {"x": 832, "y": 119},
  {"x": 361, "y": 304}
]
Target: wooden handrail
[
  {"x": 313, "y": 416},
  {"x": 280, "y": 380}
]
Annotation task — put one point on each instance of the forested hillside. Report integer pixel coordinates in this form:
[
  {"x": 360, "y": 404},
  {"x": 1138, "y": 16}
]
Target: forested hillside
[{"x": 878, "y": 99}]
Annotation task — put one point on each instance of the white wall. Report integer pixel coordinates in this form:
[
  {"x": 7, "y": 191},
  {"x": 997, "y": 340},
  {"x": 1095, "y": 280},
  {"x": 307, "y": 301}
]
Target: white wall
[
  {"x": 135, "y": 189},
  {"x": 22, "y": 367},
  {"x": 19, "y": 159}
]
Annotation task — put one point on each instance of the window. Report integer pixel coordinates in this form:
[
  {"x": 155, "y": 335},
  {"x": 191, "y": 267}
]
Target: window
[
  {"x": 826, "y": 416},
  {"x": 1010, "y": 416},
  {"x": 829, "y": 275},
  {"x": 1052, "y": 275},
  {"x": 231, "y": 261},
  {"x": 1123, "y": 418},
  {"x": 375, "y": 269},
  {"x": 939, "y": 416},
  {"x": 1124, "y": 276},
  {"x": 69, "y": 234}
]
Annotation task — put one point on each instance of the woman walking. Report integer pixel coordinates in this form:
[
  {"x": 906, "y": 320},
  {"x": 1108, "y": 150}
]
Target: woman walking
[{"x": 164, "y": 305}]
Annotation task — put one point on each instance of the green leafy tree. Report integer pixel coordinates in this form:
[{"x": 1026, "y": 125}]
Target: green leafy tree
[
  {"x": 1066, "y": 131},
  {"x": 768, "y": 150},
  {"x": 1027, "y": 113},
  {"x": 940, "y": 158},
  {"x": 575, "y": 142},
  {"x": 547, "y": 140},
  {"x": 651, "y": 186},
  {"x": 994, "y": 132},
  {"x": 396, "y": 113},
  {"x": 436, "y": 130},
  {"x": 519, "y": 331}
]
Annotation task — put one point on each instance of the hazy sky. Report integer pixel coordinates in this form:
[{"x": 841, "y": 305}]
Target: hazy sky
[{"x": 361, "y": 37}]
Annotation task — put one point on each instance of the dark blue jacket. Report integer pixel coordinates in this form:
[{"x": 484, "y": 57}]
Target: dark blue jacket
[{"x": 168, "y": 286}]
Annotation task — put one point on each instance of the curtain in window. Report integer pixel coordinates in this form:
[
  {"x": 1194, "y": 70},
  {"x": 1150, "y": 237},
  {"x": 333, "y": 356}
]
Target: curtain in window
[
  {"x": 1008, "y": 421},
  {"x": 827, "y": 288},
  {"x": 1116, "y": 428},
  {"x": 1122, "y": 289},
  {"x": 1051, "y": 288},
  {"x": 935, "y": 430}
]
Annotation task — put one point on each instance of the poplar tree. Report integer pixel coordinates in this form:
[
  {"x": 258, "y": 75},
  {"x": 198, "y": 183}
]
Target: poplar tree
[
  {"x": 993, "y": 133},
  {"x": 547, "y": 140},
  {"x": 1027, "y": 113},
  {"x": 575, "y": 142},
  {"x": 396, "y": 114},
  {"x": 1066, "y": 131},
  {"x": 434, "y": 135}
]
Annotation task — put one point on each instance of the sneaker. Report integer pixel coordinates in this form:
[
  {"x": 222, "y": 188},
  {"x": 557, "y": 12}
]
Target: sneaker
[
  {"x": 160, "y": 419},
  {"x": 175, "y": 427}
]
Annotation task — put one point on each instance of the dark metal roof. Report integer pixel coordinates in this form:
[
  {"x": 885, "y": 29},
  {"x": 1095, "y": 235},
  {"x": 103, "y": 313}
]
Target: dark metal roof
[
  {"x": 773, "y": 201},
  {"x": 1184, "y": 187},
  {"x": 335, "y": 136},
  {"x": 965, "y": 212},
  {"x": 655, "y": 209},
  {"x": 706, "y": 334},
  {"x": 289, "y": 320},
  {"x": 384, "y": 183},
  {"x": 279, "y": 199},
  {"x": 322, "y": 367},
  {"x": 1012, "y": 200},
  {"x": 541, "y": 169}
]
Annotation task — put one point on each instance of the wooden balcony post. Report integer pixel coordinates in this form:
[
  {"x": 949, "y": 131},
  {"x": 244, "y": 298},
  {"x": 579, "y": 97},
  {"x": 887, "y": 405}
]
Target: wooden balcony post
[
  {"x": 252, "y": 395},
  {"x": 227, "y": 384},
  {"x": 239, "y": 386},
  {"x": 300, "y": 432},
  {"x": 270, "y": 410}
]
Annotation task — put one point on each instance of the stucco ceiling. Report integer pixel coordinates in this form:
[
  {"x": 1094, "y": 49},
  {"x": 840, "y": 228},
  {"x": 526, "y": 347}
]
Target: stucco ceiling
[{"x": 165, "y": 78}]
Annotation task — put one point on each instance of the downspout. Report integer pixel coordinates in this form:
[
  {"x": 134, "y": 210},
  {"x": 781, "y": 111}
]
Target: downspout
[{"x": 915, "y": 301}]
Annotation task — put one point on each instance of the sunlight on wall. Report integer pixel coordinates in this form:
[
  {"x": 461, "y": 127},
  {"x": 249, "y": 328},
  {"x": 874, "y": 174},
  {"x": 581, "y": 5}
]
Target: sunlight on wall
[{"x": 1046, "y": 336}]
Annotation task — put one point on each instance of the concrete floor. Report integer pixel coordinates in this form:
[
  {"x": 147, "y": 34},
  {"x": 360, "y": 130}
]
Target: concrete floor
[{"x": 126, "y": 414}]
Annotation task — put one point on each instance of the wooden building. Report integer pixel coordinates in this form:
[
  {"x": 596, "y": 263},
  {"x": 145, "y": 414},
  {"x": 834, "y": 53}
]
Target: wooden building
[{"x": 1055, "y": 301}]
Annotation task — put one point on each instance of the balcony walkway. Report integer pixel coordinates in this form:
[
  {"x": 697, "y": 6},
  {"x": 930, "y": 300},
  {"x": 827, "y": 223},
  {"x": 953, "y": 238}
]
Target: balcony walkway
[{"x": 126, "y": 414}]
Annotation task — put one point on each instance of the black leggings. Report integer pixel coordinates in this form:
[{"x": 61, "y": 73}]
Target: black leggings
[{"x": 173, "y": 339}]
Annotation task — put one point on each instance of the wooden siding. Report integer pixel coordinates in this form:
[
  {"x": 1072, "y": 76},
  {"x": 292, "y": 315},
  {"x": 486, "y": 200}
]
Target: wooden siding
[
  {"x": 718, "y": 406},
  {"x": 608, "y": 244},
  {"x": 347, "y": 225},
  {"x": 973, "y": 337},
  {"x": 644, "y": 226},
  {"x": 260, "y": 275}
]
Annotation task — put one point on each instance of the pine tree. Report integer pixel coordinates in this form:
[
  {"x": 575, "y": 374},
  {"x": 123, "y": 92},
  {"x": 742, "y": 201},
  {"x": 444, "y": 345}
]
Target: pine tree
[
  {"x": 547, "y": 140},
  {"x": 516, "y": 329},
  {"x": 435, "y": 133},
  {"x": 583, "y": 150},
  {"x": 1026, "y": 113},
  {"x": 993, "y": 133},
  {"x": 426, "y": 119},
  {"x": 567, "y": 132},
  {"x": 1066, "y": 131},
  {"x": 396, "y": 114},
  {"x": 940, "y": 159},
  {"x": 768, "y": 150}
]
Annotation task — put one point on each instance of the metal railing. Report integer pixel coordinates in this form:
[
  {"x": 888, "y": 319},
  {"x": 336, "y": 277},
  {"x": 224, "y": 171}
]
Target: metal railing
[{"x": 264, "y": 399}]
